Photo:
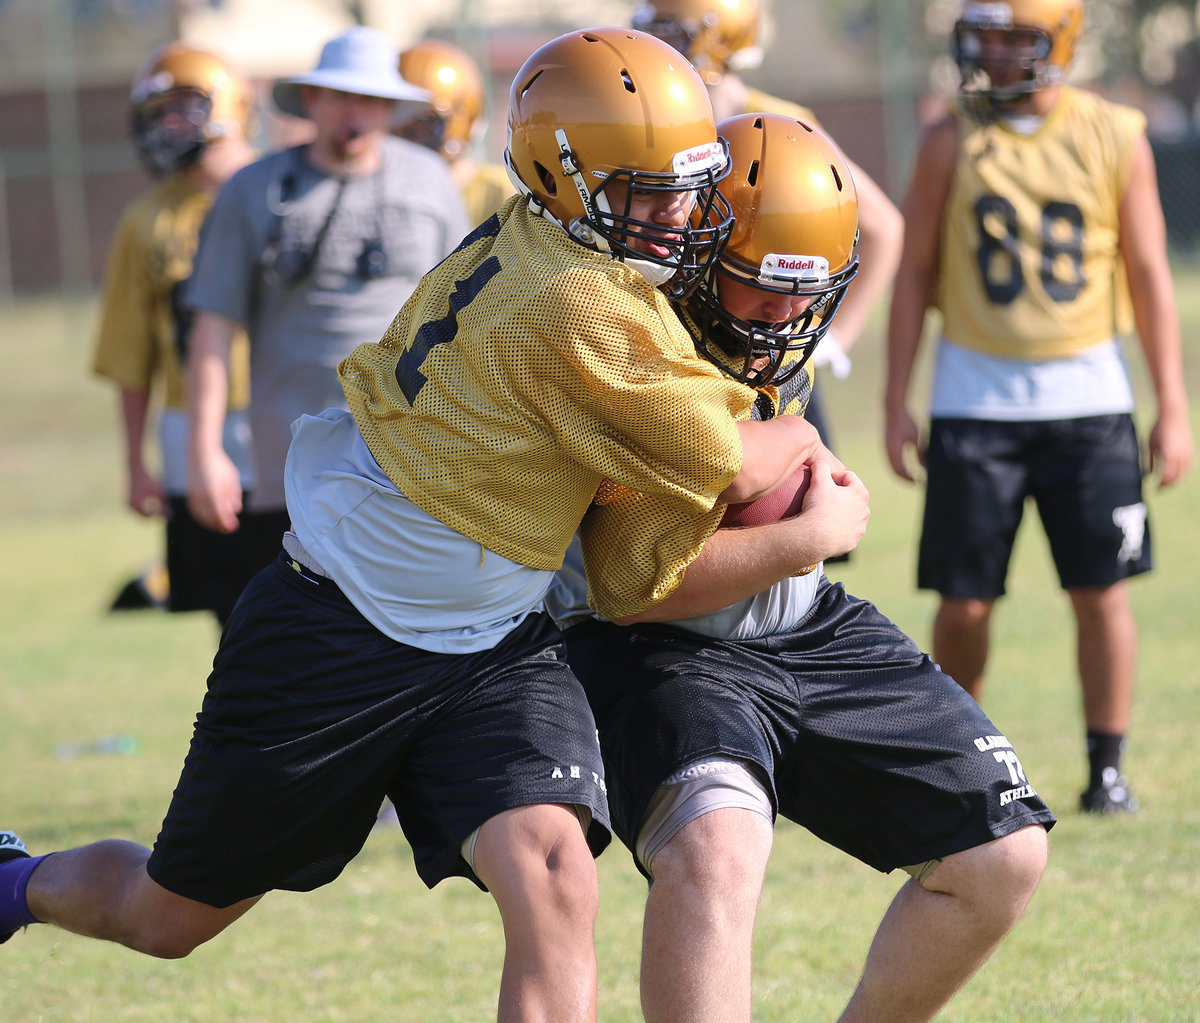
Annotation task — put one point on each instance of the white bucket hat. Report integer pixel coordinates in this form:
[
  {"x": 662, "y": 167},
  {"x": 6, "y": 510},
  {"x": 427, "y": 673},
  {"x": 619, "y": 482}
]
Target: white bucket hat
[{"x": 362, "y": 61}]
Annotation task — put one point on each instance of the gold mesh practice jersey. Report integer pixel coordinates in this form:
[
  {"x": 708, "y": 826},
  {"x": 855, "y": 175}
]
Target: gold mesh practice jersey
[
  {"x": 525, "y": 371},
  {"x": 142, "y": 325},
  {"x": 623, "y": 525},
  {"x": 1029, "y": 265},
  {"x": 758, "y": 102}
]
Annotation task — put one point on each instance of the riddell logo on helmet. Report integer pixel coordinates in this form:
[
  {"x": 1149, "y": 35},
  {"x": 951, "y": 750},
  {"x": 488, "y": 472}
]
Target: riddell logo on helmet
[
  {"x": 699, "y": 158},
  {"x": 794, "y": 267}
]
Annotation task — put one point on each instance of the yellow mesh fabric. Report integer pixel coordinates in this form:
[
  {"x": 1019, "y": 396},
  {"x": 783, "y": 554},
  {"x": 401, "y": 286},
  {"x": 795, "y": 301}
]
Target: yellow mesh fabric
[
  {"x": 1067, "y": 291},
  {"x": 151, "y": 257},
  {"x": 624, "y": 527},
  {"x": 524, "y": 372}
]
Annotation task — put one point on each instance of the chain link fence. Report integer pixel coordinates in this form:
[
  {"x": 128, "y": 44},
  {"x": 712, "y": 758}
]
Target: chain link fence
[{"x": 873, "y": 70}]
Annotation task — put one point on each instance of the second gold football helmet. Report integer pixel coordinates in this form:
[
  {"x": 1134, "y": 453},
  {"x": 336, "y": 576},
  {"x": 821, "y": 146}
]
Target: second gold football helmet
[
  {"x": 613, "y": 105},
  {"x": 1039, "y": 43},
  {"x": 795, "y": 232},
  {"x": 715, "y": 35},
  {"x": 183, "y": 99},
  {"x": 453, "y": 80}
]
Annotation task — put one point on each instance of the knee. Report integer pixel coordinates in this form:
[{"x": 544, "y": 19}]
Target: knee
[
  {"x": 173, "y": 933},
  {"x": 538, "y": 858},
  {"x": 996, "y": 879},
  {"x": 1019, "y": 859},
  {"x": 965, "y": 613},
  {"x": 720, "y": 857},
  {"x": 570, "y": 879},
  {"x": 162, "y": 944}
]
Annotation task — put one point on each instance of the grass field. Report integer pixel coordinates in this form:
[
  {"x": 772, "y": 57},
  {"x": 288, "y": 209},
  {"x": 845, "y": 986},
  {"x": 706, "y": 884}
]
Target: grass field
[{"x": 1112, "y": 935}]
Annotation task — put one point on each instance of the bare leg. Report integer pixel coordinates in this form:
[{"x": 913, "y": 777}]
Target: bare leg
[
  {"x": 1107, "y": 644},
  {"x": 539, "y": 869},
  {"x": 935, "y": 936},
  {"x": 103, "y": 891},
  {"x": 697, "y": 941},
  {"x": 960, "y": 641}
]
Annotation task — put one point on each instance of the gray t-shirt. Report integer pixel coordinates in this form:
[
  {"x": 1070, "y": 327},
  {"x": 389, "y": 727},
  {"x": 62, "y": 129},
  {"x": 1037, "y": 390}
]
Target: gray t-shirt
[{"x": 264, "y": 223}]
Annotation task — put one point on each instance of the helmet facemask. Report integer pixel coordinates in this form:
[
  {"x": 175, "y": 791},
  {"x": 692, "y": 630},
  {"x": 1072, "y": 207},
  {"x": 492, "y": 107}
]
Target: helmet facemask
[
  {"x": 183, "y": 100},
  {"x": 1038, "y": 43},
  {"x": 170, "y": 129},
  {"x": 758, "y": 353},
  {"x": 680, "y": 255}
]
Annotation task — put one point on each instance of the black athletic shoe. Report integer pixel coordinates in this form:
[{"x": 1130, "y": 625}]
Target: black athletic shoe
[
  {"x": 11, "y": 847},
  {"x": 1112, "y": 795}
]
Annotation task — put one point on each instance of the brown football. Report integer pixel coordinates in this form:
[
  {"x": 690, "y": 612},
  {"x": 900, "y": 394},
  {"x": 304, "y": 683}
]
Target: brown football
[{"x": 781, "y": 503}]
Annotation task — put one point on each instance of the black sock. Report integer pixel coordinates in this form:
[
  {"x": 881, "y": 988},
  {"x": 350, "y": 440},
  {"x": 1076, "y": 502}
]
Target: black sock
[{"x": 1104, "y": 753}]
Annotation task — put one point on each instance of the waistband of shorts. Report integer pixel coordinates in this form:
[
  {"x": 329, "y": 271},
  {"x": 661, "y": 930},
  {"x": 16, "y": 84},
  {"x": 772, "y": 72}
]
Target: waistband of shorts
[
  {"x": 291, "y": 564},
  {"x": 294, "y": 556}
]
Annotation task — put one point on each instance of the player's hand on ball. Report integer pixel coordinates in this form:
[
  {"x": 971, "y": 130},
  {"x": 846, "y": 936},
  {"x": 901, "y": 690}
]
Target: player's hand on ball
[{"x": 835, "y": 512}]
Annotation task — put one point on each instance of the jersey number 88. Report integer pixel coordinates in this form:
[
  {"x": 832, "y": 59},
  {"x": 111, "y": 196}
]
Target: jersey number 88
[{"x": 1061, "y": 264}]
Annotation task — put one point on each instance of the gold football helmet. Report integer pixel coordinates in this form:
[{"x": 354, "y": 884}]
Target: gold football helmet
[
  {"x": 1040, "y": 37},
  {"x": 452, "y": 78},
  {"x": 795, "y": 232},
  {"x": 183, "y": 99},
  {"x": 715, "y": 35},
  {"x": 608, "y": 106}
]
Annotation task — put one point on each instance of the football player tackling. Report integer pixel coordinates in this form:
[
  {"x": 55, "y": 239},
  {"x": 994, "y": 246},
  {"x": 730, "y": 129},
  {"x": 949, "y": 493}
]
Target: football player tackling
[
  {"x": 759, "y": 688},
  {"x": 1030, "y": 206},
  {"x": 399, "y": 648}
]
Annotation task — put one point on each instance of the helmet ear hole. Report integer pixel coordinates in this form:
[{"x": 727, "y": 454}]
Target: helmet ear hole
[{"x": 546, "y": 178}]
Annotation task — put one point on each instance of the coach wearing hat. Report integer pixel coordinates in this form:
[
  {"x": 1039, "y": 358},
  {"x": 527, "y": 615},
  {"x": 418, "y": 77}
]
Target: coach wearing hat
[{"x": 312, "y": 251}]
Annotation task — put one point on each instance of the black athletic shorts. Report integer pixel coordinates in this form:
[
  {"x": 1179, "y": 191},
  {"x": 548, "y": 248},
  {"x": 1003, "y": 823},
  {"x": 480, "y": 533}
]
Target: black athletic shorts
[
  {"x": 1085, "y": 476},
  {"x": 207, "y": 570},
  {"x": 856, "y": 734},
  {"x": 313, "y": 716}
]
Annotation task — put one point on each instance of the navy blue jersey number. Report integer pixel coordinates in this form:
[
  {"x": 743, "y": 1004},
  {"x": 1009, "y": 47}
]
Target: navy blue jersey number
[
  {"x": 1061, "y": 265},
  {"x": 439, "y": 332}
]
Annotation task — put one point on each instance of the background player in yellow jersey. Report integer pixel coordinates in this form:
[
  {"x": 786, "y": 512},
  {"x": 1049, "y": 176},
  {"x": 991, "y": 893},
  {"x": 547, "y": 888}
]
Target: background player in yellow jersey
[
  {"x": 190, "y": 116},
  {"x": 1030, "y": 205},
  {"x": 758, "y": 688},
  {"x": 400, "y": 648},
  {"x": 457, "y": 95},
  {"x": 720, "y": 39}
]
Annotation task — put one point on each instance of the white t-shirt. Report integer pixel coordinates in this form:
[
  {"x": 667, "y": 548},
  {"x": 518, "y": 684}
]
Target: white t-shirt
[
  {"x": 970, "y": 385},
  {"x": 409, "y": 574}
]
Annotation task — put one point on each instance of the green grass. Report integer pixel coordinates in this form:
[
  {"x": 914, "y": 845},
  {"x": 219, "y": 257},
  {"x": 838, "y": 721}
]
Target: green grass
[{"x": 1112, "y": 935}]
